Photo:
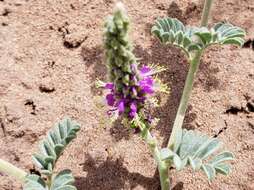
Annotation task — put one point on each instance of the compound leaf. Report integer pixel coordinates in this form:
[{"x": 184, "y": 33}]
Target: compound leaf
[
  {"x": 172, "y": 31},
  {"x": 194, "y": 149},
  {"x": 53, "y": 145}
]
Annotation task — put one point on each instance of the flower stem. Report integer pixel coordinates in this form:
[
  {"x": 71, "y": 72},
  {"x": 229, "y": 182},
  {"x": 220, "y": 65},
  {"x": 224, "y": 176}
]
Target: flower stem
[
  {"x": 12, "y": 170},
  {"x": 162, "y": 166},
  {"x": 153, "y": 146},
  {"x": 164, "y": 176},
  {"x": 194, "y": 64}
]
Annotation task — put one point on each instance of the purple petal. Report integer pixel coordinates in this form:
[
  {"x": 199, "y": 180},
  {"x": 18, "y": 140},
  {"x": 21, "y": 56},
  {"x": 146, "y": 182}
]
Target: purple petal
[
  {"x": 145, "y": 69},
  {"x": 134, "y": 91},
  {"x": 133, "y": 111},
  {"x": 133, "y": 107},
  {"x": 121, "y": 106},
  {"x": 110, "y": 99},
  {"x": 111, "y": 112},
  {"x": 147, "y": 89},
  {"x": 141, "y": 99},
  {"x": 146, "y": 85},
  {"x": 132, "y": 114},
  {"x": 147, "y": 81},
  {"x": 109, "y": 86}
]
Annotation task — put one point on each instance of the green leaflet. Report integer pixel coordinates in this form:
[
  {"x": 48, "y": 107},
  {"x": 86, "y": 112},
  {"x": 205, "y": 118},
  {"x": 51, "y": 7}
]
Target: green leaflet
[
  {"x": 50, "y": 150},
  {"x": 189, "y": 39},
  {"x": 62, "y": 181},
  {"x": 209, "y": 171},
  {"x": 166, "y": 153},
  {"x": 222, "y": 169},
  {"x": 194, "y": 149},
  {"x": 34, "y": 182},
  {"x": 53, "y": 145}
]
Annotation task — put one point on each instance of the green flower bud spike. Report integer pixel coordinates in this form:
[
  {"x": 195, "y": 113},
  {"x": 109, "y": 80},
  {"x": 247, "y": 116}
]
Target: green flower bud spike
[
  {"x": 130, "y": 86},
  {"x": 118, "y": 48}
]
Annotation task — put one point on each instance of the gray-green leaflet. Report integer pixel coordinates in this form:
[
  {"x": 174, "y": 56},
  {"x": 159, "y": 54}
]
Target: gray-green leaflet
[
  {"x": 51, "y": 149},
  {"x": 62, "y": 181},
  {"x": 189, "y": 39},
  {"x": 194, "y": 149},
  {"x": 53, "y": 145}
]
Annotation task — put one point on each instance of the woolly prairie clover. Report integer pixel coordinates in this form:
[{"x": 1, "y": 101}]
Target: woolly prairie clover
[{"x": 130, "y": 88}]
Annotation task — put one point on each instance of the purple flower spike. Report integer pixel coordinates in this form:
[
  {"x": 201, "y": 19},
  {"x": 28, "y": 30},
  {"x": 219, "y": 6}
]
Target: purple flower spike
[
  {"x": 110, "y": 99},
  {"x": 131, "y": 99}
]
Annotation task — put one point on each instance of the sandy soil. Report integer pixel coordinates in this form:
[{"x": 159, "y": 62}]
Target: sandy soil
[{"x": 50, "y": 55}]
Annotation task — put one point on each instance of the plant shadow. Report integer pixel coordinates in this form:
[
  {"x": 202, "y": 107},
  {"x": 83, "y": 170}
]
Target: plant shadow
[
  {"x": 113, "y": 175},
  {"x": 93, "y": 59},
  {"x": 193, "y": 10},
  {"x": 207, "y": 76},
  {"x": 118, "y": 131}
]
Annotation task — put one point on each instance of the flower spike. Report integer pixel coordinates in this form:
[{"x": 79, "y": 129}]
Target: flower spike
[{"x": 129, "y": 85}]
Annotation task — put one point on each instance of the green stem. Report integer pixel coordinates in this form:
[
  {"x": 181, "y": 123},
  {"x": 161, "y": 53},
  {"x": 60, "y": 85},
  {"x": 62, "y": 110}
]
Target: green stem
[
  {"x": 12, "y": 170},
  {"x": 162, "y": 166},
  {"x": 49, "y": 181},
  {"x": 206, "y": 12},
  {"x": 184, "y": 100},
  {"x": 152, "y": 143},
  {"x": 194, "y": 64},
  {"x": 153, "y": 146},
  {"x": 164, "y": 176}
]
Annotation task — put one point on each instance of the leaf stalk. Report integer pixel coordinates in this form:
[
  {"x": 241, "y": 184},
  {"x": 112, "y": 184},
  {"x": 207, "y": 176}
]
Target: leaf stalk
[
  {"x": 12, "y": 170},
  {"x": 194, "y": 65}
]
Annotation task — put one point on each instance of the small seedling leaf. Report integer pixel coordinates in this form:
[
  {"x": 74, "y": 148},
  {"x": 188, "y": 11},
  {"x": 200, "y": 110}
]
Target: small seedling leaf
[
  {"x": 222, "y": 157},
  {"x": 53, "y": 145}
]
